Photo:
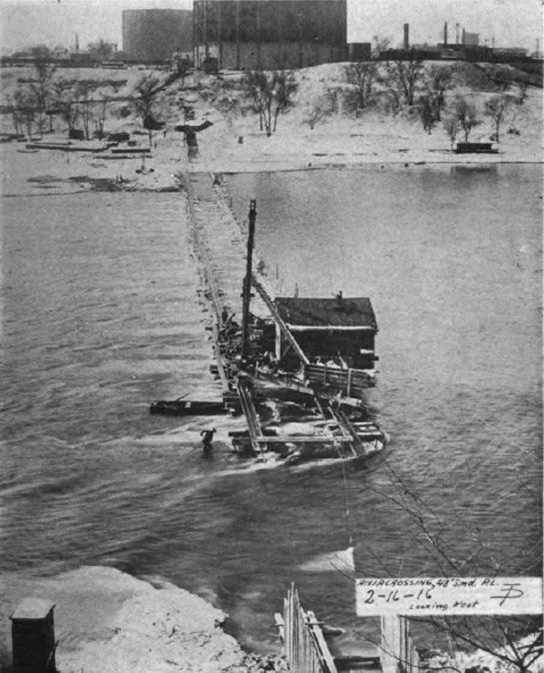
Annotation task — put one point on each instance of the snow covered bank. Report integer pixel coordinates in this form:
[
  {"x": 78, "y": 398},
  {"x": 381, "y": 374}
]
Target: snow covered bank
[
  {"x": 109, "y": 622},
  {"x": 233, "y": 143}
]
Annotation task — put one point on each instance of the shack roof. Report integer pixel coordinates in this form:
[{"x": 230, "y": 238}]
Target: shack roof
[
  {"x": 33, "y": 608},
  {"x": 334, "y": 312}
]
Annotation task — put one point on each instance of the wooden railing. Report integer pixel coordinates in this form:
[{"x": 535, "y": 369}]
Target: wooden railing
[
  {"x": 349, "y": 381},
  {"x": 398, "y": 653},
  {"x": 307, "y": 652},
  {"x": 304, "y": 644}
]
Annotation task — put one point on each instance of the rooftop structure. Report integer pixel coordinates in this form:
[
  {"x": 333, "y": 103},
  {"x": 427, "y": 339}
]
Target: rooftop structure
[
  {"x": 33, "y": 636},
  {"x": 329, "y": 313},
  {"x": 331, "y": 328}
]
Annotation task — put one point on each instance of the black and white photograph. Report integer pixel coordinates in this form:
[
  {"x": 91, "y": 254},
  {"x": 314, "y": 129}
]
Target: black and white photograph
[{"x": 272, "y": 311}]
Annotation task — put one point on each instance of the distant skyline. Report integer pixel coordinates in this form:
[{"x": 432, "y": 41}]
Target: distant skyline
[
  {"x": 513, "y": 23},
  {"x": 25, "y": 23}
]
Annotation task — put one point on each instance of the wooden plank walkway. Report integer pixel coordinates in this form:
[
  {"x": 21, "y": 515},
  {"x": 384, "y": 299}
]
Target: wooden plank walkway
[{"x": 195, "y": 215}]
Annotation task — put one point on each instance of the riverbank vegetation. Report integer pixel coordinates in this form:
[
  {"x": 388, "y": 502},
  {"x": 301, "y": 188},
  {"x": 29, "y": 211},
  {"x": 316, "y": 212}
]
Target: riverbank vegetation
[{"x": 446, "y": 99}]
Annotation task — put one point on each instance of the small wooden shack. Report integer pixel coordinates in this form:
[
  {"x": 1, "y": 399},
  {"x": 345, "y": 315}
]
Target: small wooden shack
[
  {"x": 33, "y": 636},
  {"x": 337, "y": 329}
]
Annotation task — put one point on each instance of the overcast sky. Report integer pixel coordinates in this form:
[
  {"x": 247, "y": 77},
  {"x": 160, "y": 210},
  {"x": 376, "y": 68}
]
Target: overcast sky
[{"x": 511, "y": 22}]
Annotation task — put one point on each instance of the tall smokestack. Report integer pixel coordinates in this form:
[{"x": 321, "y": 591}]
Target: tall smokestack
[
  {"x": 407, "y": 36},
  {"x": 445, "y": 33},
  {"x": 463, "y": 37},
  {"x": 456, "y": 33}
]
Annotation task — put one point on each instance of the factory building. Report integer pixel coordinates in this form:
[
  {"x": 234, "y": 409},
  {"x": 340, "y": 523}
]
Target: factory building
[
  {"x": 470, "y": 39},
  {"x": 153, "y": 35},
  {"x": 269, "y": 34}
]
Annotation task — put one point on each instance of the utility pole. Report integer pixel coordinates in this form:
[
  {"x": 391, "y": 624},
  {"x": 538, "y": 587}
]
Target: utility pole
[{"x": 247, "y": 281}]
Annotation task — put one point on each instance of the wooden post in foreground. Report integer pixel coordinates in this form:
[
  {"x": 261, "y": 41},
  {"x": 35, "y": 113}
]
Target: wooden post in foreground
[{"x": 33, "y": 637}]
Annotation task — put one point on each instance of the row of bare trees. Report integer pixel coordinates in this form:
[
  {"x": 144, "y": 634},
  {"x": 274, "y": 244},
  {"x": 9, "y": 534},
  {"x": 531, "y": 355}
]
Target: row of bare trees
[
  {"x": 30, "y": 100},
  {"x": 76, "y": 105},
  {"x": 42, "y": 96},
  {"x": 463, "y": 116},
  {"x": 407, "y": 84},
  {"x": 73, "y": 104}
]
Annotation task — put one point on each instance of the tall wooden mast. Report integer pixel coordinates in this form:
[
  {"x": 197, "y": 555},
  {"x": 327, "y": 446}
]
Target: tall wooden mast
[{"x": 247, "y": 280}]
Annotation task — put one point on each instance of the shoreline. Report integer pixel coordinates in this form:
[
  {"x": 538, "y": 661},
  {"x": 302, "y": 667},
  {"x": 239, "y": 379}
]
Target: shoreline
[
  {"x": 231, "y": 141},
  {"x": 50, "y": 174},
  {"x": 107, "y": 621}
]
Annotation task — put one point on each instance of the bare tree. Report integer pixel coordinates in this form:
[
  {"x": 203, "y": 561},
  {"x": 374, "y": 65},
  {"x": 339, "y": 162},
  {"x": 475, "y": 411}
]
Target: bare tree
[
  {"x": 101, "y": 50},
  {"x": 496, "y": 108},
  {"x": 523, "y": 90},
  {"x": 436, "y": 81},
  {"x": 316, "y": 111},
  {"x": 381, "y": 45},
  {"x": 67, "y": 101},
  {"x": 256, "y": 85},
  {"x": 451, "y": 126},
  {"x": 25, "y": 105},
  {"x": 361, "y": 76},
  {"x": 439, "y": 541},
  {"x": 427, "y": 113},
  {"x": 467, "y": 115},
  {"x": 271, "y": 93},
  {"x": 42, "y": 84},
  {"x": 100, "y": 116},
  {"x": 147, "y": 88},
  {"x": 284, "y": 87},
  {"x": 516, "y": 642},
  {"x": 404, "y": 75},
  {"x": 86, "y": 113},
  {"x": 16, "y": 116}
]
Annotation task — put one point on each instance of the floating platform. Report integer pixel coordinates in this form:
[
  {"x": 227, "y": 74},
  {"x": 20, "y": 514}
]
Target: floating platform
[
  {"x": 65, "y": 147},
  {"x": 187, "y": 407},
  {"x": 130, "y": 150}
]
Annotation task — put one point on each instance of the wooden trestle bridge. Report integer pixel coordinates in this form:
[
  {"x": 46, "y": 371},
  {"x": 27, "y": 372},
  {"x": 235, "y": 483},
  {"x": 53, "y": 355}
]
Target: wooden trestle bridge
[{"x": 247, "y": 377}]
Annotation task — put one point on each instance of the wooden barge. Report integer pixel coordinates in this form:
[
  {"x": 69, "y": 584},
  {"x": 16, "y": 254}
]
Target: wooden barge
[
  {"x": 475, "y": 148},
  {"x": 312, "y": 355},
  {"x": 187, "y": 407}
]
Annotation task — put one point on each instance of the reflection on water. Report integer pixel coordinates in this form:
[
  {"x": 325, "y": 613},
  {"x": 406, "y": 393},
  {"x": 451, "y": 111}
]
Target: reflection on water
[{"x": 101, "y": 315}]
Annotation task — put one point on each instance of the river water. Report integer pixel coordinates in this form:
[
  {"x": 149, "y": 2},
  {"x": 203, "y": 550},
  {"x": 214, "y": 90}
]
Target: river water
[{"x": 102, "y": 314}]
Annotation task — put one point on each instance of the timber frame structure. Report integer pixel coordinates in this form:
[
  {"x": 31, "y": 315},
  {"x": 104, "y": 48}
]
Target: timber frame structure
[{"x": 325, "y": 384}]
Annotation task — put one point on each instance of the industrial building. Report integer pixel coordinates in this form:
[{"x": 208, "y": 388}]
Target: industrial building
[
  {"x": 269, "y": 34},
  {"x": 153, "y": 35}
]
